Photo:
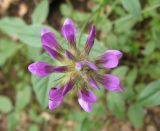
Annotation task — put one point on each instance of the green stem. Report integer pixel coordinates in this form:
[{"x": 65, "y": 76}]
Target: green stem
[{"x": 89, "y": 19}]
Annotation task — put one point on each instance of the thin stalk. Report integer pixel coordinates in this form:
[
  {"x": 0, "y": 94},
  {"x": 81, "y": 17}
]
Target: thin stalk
[{"x": 89, "y": 19}]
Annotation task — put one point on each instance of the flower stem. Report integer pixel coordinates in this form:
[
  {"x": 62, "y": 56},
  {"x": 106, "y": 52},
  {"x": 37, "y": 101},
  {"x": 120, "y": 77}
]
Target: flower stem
[{"x": 89, "y": 19}]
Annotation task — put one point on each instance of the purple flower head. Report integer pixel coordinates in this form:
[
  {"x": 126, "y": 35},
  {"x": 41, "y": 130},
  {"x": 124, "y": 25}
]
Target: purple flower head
[{"x": 78, "y": 71}]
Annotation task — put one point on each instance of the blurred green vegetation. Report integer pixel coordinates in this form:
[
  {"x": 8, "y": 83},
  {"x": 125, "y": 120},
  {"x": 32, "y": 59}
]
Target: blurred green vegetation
[{"x": 131, "y": 26}]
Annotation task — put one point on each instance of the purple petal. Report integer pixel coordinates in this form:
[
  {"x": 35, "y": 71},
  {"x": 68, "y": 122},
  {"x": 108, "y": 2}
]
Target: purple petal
[
  {"x": 53, "y": 104},
  {"x": 88, "y": 96},
  {"x": 93, "y": 83},
  {"x": 53, "y": 53},
  {"x": 116, "y": 52},
  {"x": 92, "y": 66},
  {"x": 111, "y": 83},
  {"x": 55, "y": 94},
  {"x": 110, "y": 58},
  {"x": 67, "y": 87},
  {"x": 40, "y": 69},
  {"x": 90, "y": 40},
  {"x": 85, "y": 105},
  {"x": 50, "y": 40},
  {"x": 69, "y": 31},
  {"x": 60, "y": 69},
  {"x": 69, "y": 55},
  {"x": 111, "y": 61}
]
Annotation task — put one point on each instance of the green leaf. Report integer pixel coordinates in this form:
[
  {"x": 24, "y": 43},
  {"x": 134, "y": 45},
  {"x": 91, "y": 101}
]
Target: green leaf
[
  {"x": 31, "y": 35},
  {"x": 121, "y": 71},
  {"x": 131, "y": 77},
  {"x": 21, "y": 101},
  {"x": 11, "y": 26},
  {"x": 7, "y": 49},
  {"x": 125, "y": 25},
  {"x": 80, "y": 16},
  {"x": 111, "y": 41},
  {"x": 104, "y": 24},
  {"x": 99, "y": 109},
  {"x": 149, "y": 48},
  {"x": 136, "y": 115},
  {"x": 116, "y": 104},
  {"x": 86, "y": 125},
  {"x": 129, "y": 94},
  {"x": 77, "y": 116},
  {"x": 41, "y": 12},
  {"x": 35, "y": 117},
  {"x": 150, "y": 95},
  {"x": 5, "y": 104},
  {"x": 41, "y": 87},
  {"x": 132, "y": 6},
  {"x": 33, "y": 127},
  {"x": 66, "y": 10},
  {"x": 13, "y": 121},
  {"x": 33, "y": 52}
]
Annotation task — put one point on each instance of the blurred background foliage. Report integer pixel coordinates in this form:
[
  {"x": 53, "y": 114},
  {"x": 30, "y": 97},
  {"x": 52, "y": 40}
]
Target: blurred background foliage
[{"x": 132, "y": 26}]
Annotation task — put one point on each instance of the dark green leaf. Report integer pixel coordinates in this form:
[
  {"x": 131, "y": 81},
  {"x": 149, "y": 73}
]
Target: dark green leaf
[
  {"x": 131, "y": 77},
  {"x": 77, "y": 116},
  {"x": 86, "y": 125},
  {"x": 121, "y": 71},
  {"x": 23, "y": 96},
  {"x": 35, "y": 117},
  {"x": 149, "y": 48},
  {"x": 5, "y": 104},
  {"x": 136, "y": 115},
  {"x": 116, "y": 104},
  {"x": 33, "y": 127},
  {"x": 151, "y": 94},
  {"x": 99, "y": 109},
  {"x": 13, "y": 121},
  {"x": 7, "y": 49}
]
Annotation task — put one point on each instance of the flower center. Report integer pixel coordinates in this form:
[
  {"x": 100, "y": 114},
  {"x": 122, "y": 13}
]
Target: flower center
[{"x": 78, "y": 66}]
